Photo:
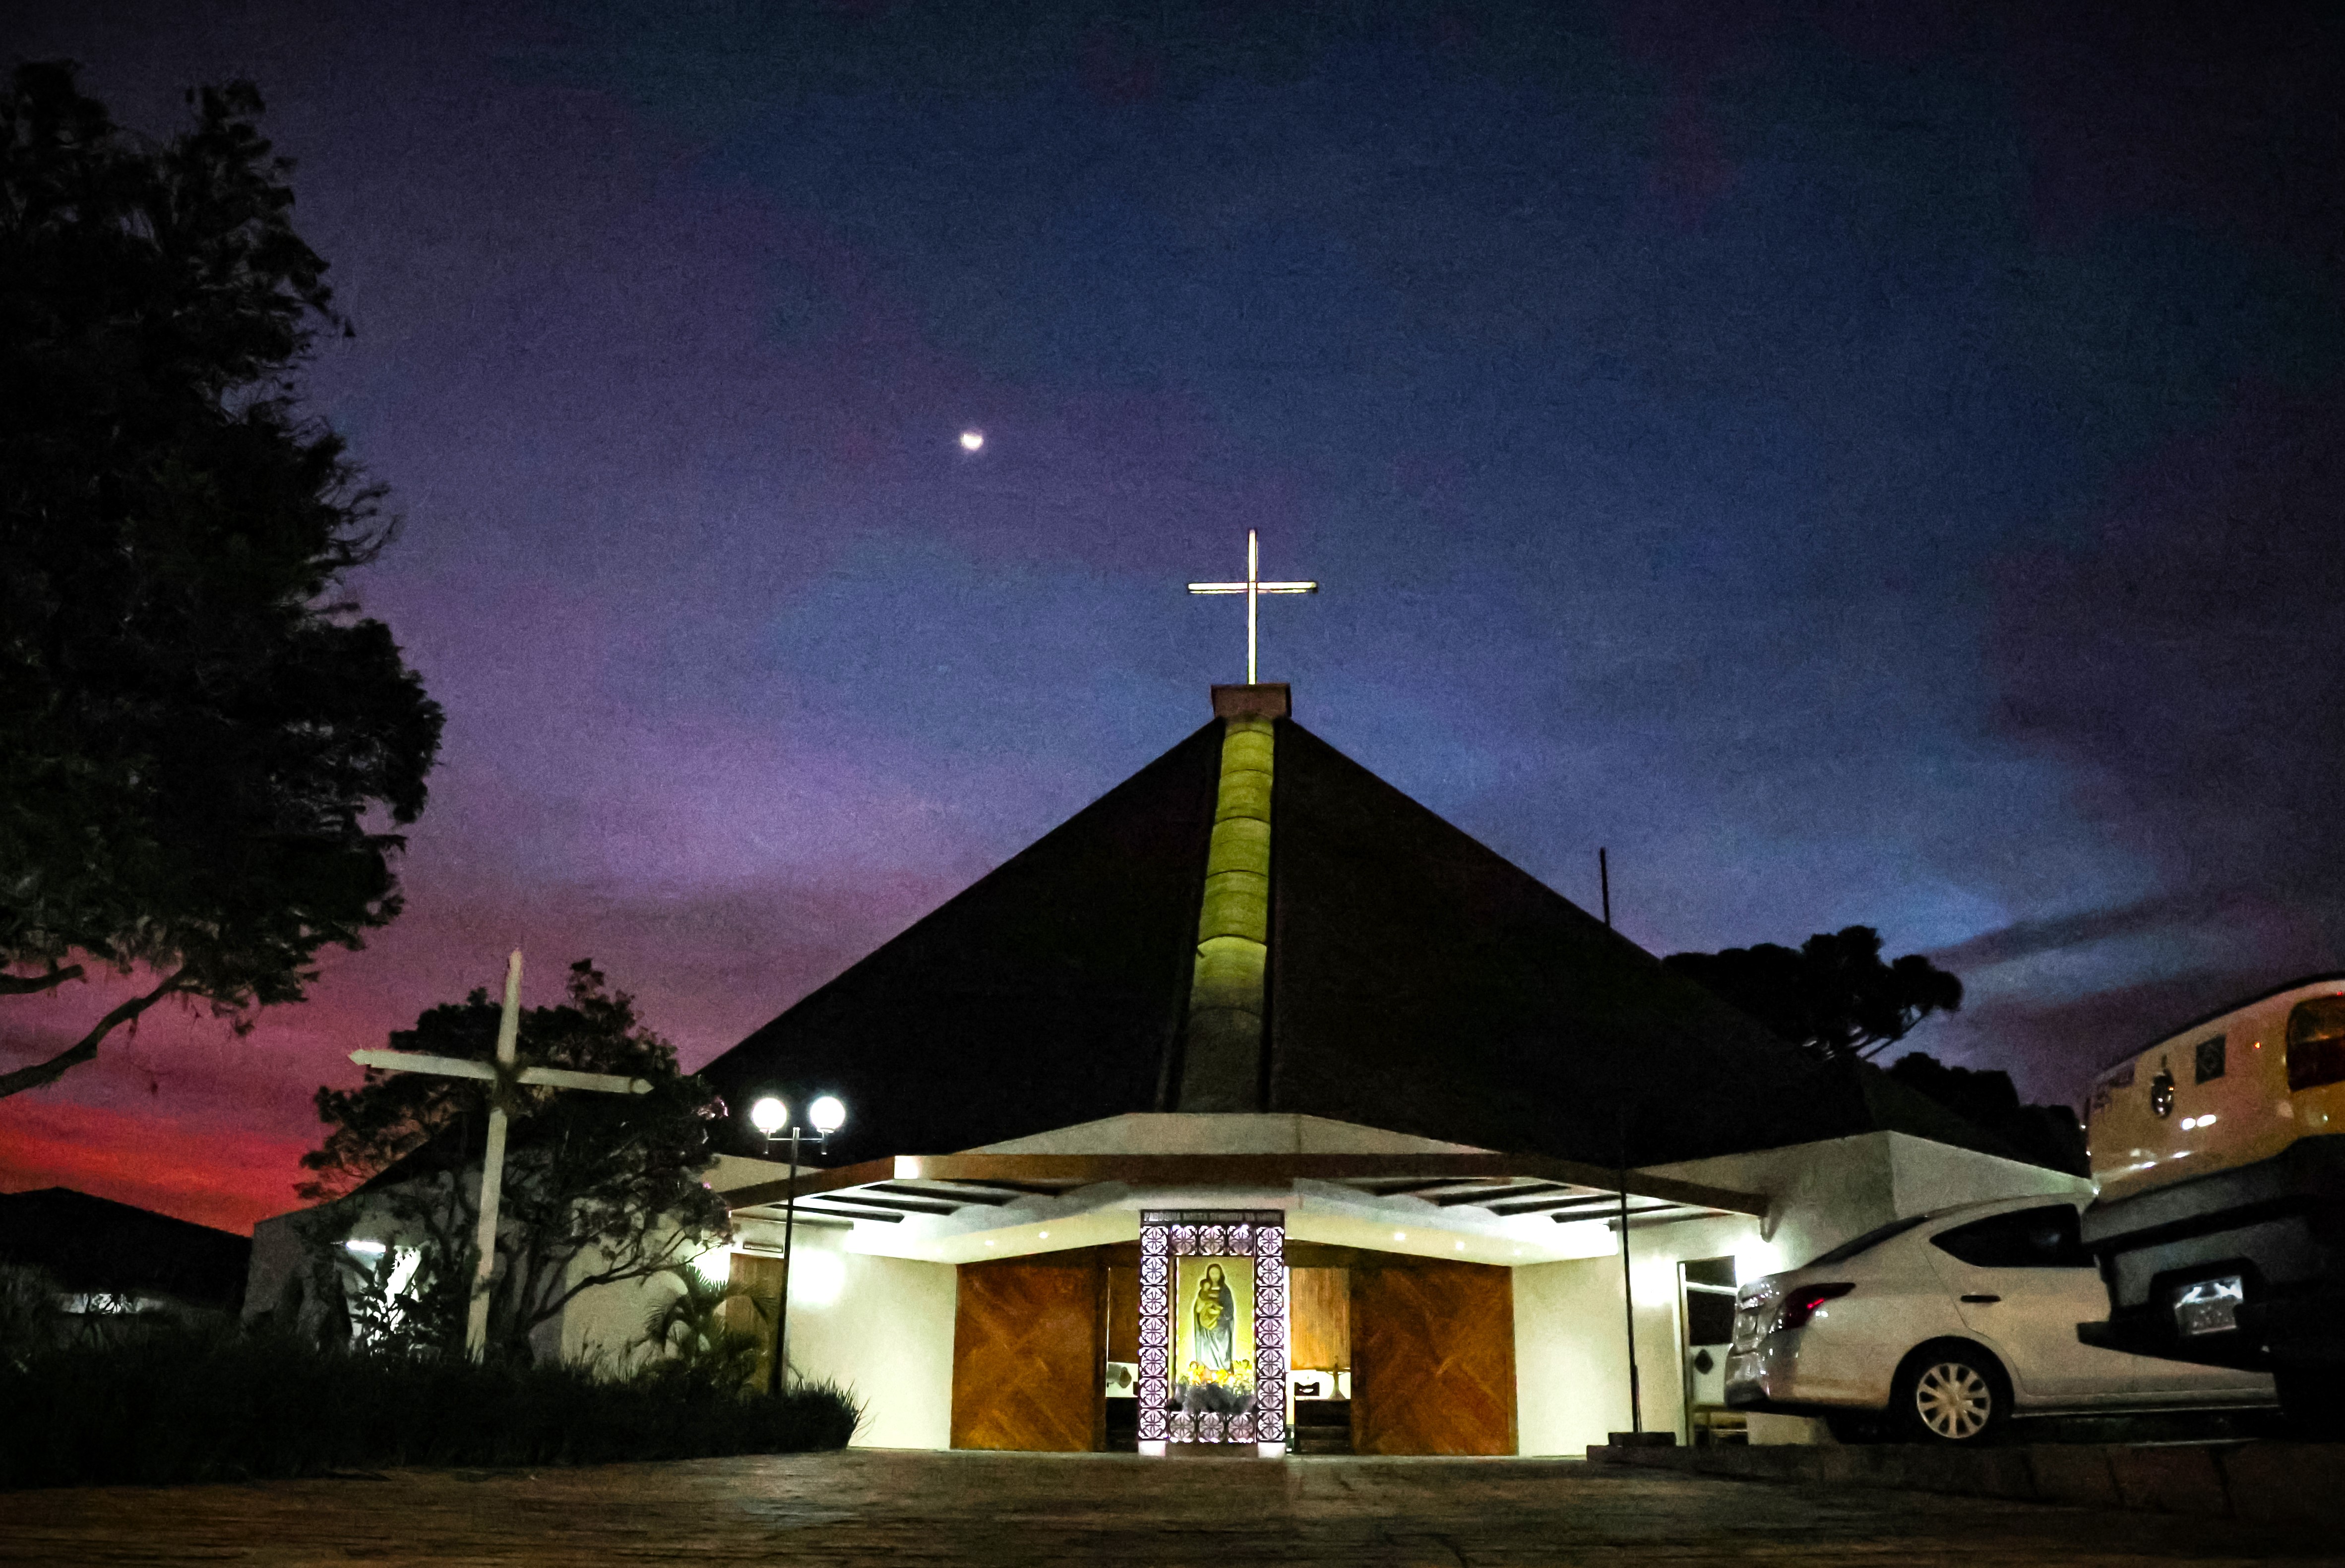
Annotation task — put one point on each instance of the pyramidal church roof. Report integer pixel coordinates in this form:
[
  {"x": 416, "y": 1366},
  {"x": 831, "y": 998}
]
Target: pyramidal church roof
[{"x": 1254, "y": 921}]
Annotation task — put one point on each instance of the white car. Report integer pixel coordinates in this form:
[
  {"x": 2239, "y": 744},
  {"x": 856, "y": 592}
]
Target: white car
[{"x": 1944, "y": 1326}]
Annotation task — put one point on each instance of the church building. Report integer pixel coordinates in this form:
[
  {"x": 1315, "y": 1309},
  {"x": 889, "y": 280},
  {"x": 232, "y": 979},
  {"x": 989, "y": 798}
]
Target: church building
[{"x": 1255, "y": 1108}]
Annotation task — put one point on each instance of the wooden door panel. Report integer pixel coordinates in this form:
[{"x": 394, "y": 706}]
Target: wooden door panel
[
  {"x": 1122, "y": 1313},
  {"x": 762, "y": 1277},
  {"x": 1319, "y": 1308},
  {"x": 1027, "y": 1356},
  {"x": 1433, "y": 1359}
]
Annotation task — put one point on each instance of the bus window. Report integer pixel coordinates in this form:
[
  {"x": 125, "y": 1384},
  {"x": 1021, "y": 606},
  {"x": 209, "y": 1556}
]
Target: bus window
[
  {"x": 2210, "y": 1060},
  {"x": 2316, "y": 1043}
]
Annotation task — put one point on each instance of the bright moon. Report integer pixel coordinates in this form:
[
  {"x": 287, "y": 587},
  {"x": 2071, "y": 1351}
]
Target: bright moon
[{"x": 971, "y": 440}]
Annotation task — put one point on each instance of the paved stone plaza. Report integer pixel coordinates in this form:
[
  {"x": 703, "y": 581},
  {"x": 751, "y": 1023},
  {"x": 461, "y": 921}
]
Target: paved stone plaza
[{"x": 872, "y": 1507}]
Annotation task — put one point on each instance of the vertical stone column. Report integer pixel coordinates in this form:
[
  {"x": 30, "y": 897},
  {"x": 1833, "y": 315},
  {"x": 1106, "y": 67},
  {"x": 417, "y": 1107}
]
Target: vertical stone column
[{"x": 1221, "y": 1060}]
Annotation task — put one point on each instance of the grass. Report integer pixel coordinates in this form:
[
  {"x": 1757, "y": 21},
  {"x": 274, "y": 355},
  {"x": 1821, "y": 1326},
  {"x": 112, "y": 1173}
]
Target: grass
[{"x": 182, "y": 1403}]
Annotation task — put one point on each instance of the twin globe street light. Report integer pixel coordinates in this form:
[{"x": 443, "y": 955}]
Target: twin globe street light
[{"x": 769, "y": 1116}]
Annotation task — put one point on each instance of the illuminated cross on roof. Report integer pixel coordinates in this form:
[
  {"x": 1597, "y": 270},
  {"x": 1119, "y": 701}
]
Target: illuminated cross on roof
[{"x": 1253, "y": 588}]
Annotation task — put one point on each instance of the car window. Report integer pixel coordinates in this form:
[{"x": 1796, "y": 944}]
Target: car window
[
  {"x": 2046, "y": 1238},
  {"x": 1866, "y": 1242}
]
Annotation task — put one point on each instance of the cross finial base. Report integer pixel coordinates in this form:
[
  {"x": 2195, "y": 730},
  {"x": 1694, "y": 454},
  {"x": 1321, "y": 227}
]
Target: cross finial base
[{"x": 1268, "y": 700}]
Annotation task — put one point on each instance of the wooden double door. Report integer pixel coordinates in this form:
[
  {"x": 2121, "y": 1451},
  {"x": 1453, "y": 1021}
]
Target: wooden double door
[
  {"x": 1430, "y": 1345},
  {"x": 1030, "y": 1353},
  {"x": 1433, "y": 1356}
]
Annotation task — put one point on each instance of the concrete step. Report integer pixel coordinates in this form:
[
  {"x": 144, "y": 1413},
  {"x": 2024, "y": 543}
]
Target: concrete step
[{"x": 1322, "y": 1438}]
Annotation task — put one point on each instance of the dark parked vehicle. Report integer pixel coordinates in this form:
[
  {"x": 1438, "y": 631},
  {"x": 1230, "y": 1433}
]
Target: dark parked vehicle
[{"x": 2219, "y": 1230}]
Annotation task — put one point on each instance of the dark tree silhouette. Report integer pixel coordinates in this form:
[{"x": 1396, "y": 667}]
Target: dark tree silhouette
[
  {"x": 195, "y": 727},
  {"x": 1834, "y": 996},
  {"x": 2048, "y": 1134}
]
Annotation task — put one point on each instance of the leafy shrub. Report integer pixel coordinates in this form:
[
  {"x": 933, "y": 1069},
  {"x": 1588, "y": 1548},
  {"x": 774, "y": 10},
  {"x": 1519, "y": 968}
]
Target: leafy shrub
[{"x": 193, "y": 1403}]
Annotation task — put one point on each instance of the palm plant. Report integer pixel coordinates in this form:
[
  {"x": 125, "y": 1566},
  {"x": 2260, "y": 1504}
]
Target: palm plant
[{"x": 692, "y": 1334}]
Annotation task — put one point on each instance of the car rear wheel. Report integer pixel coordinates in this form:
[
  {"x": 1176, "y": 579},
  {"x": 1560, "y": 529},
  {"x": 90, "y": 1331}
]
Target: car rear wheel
[{"x": 1951, "y": 1392}]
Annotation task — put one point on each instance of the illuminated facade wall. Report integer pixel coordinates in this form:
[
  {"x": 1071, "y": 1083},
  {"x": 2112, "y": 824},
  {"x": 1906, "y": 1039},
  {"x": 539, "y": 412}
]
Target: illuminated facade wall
[{"x": 882, "y": 1327}]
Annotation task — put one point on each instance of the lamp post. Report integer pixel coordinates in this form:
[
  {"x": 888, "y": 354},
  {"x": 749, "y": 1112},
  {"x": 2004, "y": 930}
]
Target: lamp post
[{"x": 769, "y": 1116}]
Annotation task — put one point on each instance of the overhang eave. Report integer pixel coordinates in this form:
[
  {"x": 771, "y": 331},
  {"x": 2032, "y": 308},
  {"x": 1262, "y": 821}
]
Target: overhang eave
[{"x": 946, "y": 1184}]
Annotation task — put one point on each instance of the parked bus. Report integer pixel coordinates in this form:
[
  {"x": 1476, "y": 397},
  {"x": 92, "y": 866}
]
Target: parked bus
[{"x": 2220, "y": 1227}]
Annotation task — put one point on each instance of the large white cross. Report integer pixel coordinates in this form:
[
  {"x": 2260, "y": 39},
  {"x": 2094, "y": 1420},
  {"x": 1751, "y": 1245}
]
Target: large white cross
[
  {"x": 507, "y": 1074},
  {"x": 1253, "y": 588}
]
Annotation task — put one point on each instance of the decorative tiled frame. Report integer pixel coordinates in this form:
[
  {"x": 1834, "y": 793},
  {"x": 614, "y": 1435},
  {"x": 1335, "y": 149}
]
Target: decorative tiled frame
[{"x": 1168, "y": 1234}]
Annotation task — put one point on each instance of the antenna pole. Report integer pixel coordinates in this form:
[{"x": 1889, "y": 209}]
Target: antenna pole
[{"x": 1604, "y": 876}]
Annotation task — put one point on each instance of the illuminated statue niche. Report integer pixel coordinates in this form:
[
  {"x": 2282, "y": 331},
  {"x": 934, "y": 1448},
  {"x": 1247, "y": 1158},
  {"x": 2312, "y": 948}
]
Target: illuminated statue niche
[{"x": 1213, "y": 1327}]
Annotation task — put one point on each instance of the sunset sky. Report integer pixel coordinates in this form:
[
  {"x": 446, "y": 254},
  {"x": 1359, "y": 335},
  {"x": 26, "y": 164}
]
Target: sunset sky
[{"x": 1860, "y": 463}]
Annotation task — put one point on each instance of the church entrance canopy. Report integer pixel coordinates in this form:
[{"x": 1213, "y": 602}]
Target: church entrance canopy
[
  {"x": 961, "y": 1193},
  {"x": 1151, "y": 1299}
]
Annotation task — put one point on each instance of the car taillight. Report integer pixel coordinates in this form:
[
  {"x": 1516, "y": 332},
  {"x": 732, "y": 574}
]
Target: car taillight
[{"x": 1801, "y": 1302}]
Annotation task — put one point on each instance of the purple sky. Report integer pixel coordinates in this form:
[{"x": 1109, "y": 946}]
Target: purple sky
[{"x": 1858, "y": 470}]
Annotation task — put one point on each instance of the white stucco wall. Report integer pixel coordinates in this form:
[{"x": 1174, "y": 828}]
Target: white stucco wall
[
  {"x": 1571, "y": 1380},
  {"x": 278, "y": 1255},
  {"x": 1819, "y": 1194},
  {"x": 1934, "y": 1175},
  {"x": 1822, "y": 1194},
  {"x": 1571, "y": 1358},
  {"x": 881, "y": 1327},
  {"x": 281, "y": 1255},
  {"x": 602, "y": 1325}
]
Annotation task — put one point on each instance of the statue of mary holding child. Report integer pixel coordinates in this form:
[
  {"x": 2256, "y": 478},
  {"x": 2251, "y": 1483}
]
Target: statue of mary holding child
[{"x": 1215, "y": 1322}]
